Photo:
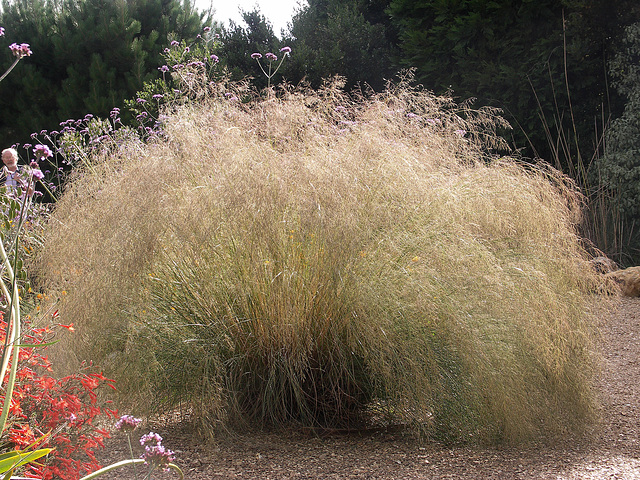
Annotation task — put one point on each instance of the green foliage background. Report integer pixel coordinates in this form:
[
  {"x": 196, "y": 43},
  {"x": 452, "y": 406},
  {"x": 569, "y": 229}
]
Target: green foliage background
[
  {"x": 89, "y": 56},
  {"x": 501, "y": 51},
  {"x": 619, "y": 169}
]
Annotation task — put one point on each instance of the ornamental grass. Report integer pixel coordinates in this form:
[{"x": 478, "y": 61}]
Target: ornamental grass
[{"x": 330, "y": 261}]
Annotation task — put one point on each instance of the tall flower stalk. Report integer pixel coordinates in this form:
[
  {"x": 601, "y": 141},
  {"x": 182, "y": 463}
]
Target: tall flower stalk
[
  {"x": 19, "y": 51},
  {"x": 11, "y": 349},
  {"x": 11, "y": 346},
  {"x": 269, "y": 72}
]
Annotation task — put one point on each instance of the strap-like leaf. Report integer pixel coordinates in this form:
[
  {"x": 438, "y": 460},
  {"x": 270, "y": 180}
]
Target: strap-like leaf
[{"x": 12, "y": 460}]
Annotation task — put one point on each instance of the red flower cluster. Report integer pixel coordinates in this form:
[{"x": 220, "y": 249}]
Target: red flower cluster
[{"x": 56, "y": 413}]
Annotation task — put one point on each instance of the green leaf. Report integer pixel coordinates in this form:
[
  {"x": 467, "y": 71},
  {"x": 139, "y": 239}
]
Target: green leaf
[{"x": 12, "y": 460}]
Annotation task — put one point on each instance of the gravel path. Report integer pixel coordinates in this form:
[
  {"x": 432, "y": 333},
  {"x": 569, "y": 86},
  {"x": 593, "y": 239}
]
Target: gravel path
[{"x": 613, "y": 451}]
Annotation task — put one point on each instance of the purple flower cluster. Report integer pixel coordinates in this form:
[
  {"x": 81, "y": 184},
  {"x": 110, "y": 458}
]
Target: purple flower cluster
[
  {"x": 271, "y": 57},
  {"x": 256, "y": 56},
  {"x": 1, "y": 31},
  {"x": 42, "y": 151},
  {"x": 155, "y": 455},
  {"x": 158, "y": 456},
  {"x": 285, "y": 50},
  {"x": 150, "y": 439},
  {"x": 127, "y": 423},
  {"x": 21, "y": 50}
]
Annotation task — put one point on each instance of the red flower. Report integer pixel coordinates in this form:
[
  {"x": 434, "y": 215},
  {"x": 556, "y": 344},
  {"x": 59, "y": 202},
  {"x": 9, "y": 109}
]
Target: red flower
[
  {"x": 21, "y": 436},
  {"x": 65, "y": 407}
]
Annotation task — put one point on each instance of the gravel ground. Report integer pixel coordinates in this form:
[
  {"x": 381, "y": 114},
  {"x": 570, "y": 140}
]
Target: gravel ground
[{"x": 611, "y": 452}]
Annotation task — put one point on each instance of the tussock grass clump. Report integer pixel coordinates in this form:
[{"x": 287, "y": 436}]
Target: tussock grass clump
[{"x": 319, "y": 259}]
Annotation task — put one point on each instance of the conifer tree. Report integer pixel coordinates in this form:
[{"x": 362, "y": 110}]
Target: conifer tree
[
  {"x": 89, "y": 56},
  {"x": 352, "y": 39}
]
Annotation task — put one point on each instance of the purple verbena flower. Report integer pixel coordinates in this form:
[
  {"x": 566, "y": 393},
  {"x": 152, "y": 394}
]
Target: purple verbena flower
[
  {"x": 21, "y": 50},
  {"x": 127, "y": 423},
  {"x": 1, "y": 31},
  {"x": 158, "y": 96},
  {"x": 206, "y": 29},
  {"x": 163, "y": 68},
  {"x": 158, "y": 456},
  {"x": 141, "y": 100},
  {"x": 187, "y": 50},
  {"x": 174, "y": 43},
  {"x": 271, "y": 57},
  {"x": 42, "y": 151},
  {"x": 150, "y": 439},
  {"x": 26, "y": 51},
  {"x": 214, "y": 58},
  {"x": 37, "y": 173},
  {"x": 285, "y": 50},
  {"x": 256, "y": 56}
]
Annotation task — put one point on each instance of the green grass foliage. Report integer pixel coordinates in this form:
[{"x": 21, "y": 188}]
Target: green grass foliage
[{"x": 326, "y": 261}]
